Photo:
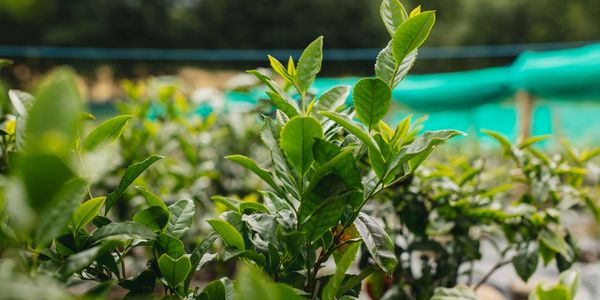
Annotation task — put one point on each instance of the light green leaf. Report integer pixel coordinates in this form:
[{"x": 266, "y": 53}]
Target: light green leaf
[
  {"x": 108, "y": 131},
  {"x": 378, "y": 242},
  {"x": 504, "y": 142},
  {"x": 174, "y": 270},
  {"x": 182, "y": 215},
  {"x": 55, "y": 219},
  {"x": 353, "y": 128},
  {"x": 554, "y": 242},
  {"x": 333, "y": 285},
  {"x": 455, "y": 293},
  {"x": 297, "y": 139},
  {"x": 228, "y": 233},
  {"x": 289, "y": 108},
  {"x": 309, "y": 64},
  {"x": 392, "y": 14},
  {"x": 153, "y": 217},
  {"x": 332, "y": 98},
  {"x": 251, "y": 284},
  {"x": 411, "y": 34},
  {"x": 253, "y": 166},
  {"x": 151, "y": 198},
  {"x": 132, "y": 172},
  {"x": 86, "y": 212},
  {"x": 372, "y": 98}
]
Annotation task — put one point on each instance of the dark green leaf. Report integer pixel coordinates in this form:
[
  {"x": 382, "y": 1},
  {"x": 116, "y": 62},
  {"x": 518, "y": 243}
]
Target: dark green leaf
[
  {"x": 525, "y": 263},
  {"x": 174, "y": 270},
  {"x": 297, "y": 139},
  {"x": 253, "y": 166},
  {"x": 378, "y": 242},
  {"x": 333, "y": 285},
  {"x": 128, "y": 229}
]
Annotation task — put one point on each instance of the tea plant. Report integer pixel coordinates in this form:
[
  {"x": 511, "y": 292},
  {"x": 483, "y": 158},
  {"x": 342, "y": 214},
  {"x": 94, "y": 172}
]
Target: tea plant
[
  {"x": 312, "y": 211},
  {"x": 445, "y": 213},
  {"x": 56, "y": 230}
]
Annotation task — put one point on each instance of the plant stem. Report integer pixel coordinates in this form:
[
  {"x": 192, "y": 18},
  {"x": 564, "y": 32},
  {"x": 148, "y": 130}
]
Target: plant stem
[{"x": 498, "y": 265}]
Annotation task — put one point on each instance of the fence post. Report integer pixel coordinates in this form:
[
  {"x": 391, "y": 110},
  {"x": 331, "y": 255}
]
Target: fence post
[{"x": 525, "y": 114}]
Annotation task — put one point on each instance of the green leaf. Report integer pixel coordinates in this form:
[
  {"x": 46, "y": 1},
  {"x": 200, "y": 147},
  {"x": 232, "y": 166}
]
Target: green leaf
[
  {"x": 557, "y": 292},
  {"x": 108, "y": 131},
  {"x": 378, "y": 242},
  {"x": 570, "y": 279},
  {"x": 332, "y": 98},
  {"x": 309, "y": 64},
  {"x": 228, "y": 233},
  {"x": 333, "y": 285},
  {"x": 533, "y": 140},
  {"x": 253, "y": 166},
  {"x": 342, "y": 165},
  {"x": 174, "y": 270},
  {"x": 170, "y": 245},
  {"x": 182, "y": 215},
  {"x": 372, "y": 98},
  {"x": 144, "y": 282},
  {"x": 285, "y": 105},
  {"x": 221, "y": 289},
  {"x": 86, "y": 212},
  {"x": 47, "y": 125},
  {"x": 392, "y": 14},
  {"x": 56, "y": 218},
  {"x": 196, "y": 256},
  {"x": 324, "y": 217},
  {"x": 455, "y": 293},
  {"x": 297, "y": 139},
  {"x": 153, "y": 217},
  {"x": 43, "y": 177},
  {"x": 252, "y": 207},
  {"x": 554, "y": 242},
  {"x": 128, "y": 229},
  {"x": 132, "y": 172},
  {"x": 430, "y": 139},
  {"x": 525, "y": 263},
  {"x": 388, "y": 70},
  {"x": 353, "y": 128},
  {"x": 411, "y": 34},
  {"x": 504, "y": 142},
  {"x": 251, "y": 284},
  {"x": 269, "y": 135},
  {"x": 151, "y": 198}
]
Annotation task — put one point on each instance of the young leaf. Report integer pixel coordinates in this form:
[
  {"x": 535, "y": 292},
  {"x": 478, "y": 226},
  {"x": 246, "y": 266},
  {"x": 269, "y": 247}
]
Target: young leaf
[
  {"x": 228, "y": 233},
  {"x": 182, "y": 216},
  {"x": 353, "y": 128},
  {"x": 378, "y": 242},
  {"x": 153, "y": 217},
  {"x": 333, "y": 285},
  {"x": 393, "y": 14},
  {"x": 411, "y": 34},
  {"x": 108, "y": 131},
  {"x": 504, "y": 142},
  {"x": 151, "y": 198},
  {"x": 297, "y": 139},
  {"x": 132, "y": 172},
  {"x": 86, "y": 212},
  {"x": 253, "y": 166},
  {"x": 280, "y": 69},
  {"x": 290, "y": 109},
  {"x": 372, "y": 98},
  {"x": 174, "y": 270},
  {"x": 324, "y": 217},
  {"x": 309, "y": 64}
]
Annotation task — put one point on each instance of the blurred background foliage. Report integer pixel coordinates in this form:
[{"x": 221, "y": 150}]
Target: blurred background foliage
[{"x": 268, "y": 24}]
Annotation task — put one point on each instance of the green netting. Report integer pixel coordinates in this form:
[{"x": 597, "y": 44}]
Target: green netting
[{"x": 563, "y": 75}]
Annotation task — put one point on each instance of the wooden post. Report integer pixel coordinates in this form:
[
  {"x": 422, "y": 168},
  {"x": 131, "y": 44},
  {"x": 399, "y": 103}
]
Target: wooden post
[{"x": 525, "y": 114}]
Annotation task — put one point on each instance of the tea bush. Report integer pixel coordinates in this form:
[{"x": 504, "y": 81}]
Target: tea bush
[{"x": 334, "y": 184}]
